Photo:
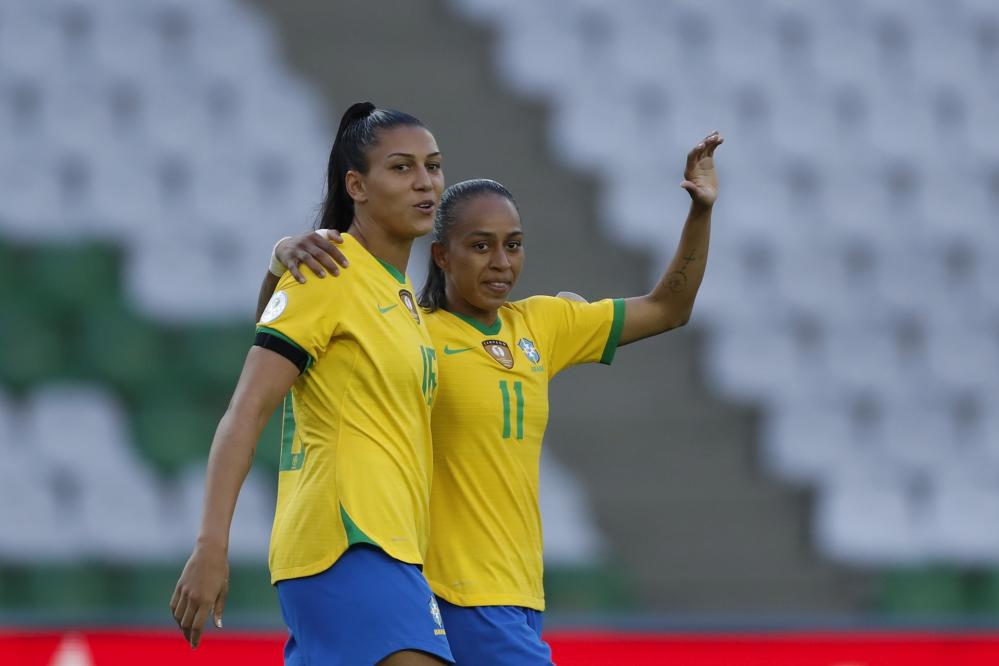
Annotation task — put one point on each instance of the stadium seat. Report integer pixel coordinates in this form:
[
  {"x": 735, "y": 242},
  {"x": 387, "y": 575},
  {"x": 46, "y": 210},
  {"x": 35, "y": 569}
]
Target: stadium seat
[{"x": 869, "y": 520}]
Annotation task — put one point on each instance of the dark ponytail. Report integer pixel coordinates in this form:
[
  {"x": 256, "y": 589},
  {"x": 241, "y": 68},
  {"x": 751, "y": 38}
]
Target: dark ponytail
[
  {"x": 357, "y": 133},
  {"x": 432, "y": 296}
]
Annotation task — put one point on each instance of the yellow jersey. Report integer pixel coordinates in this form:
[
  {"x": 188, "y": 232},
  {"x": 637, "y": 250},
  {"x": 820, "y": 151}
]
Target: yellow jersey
[
  {"x": 488, "y": 422},
  {"x": 356, "y": 459}
]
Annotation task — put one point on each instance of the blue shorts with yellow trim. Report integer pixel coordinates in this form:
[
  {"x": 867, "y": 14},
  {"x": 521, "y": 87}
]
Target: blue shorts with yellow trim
[
  {"x": 362, "y": 609},
  {"x": 495, "y": 635}
]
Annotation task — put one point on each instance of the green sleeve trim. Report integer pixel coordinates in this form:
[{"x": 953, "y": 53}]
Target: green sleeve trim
[
  {"x": 615, "y": 333},
  {"x": 479, "y": 326},
  {"x": 354, "y": 533},
  {"x": 281, "y": 336},
  {"x": 393, "y": 271}
]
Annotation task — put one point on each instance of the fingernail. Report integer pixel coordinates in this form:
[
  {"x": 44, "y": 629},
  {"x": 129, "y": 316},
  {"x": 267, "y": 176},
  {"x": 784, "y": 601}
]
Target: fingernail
[
  {"x": 346, "y": 263},
  {"x": 322, "y": 274},
  {"x": 218, "y": 622}
]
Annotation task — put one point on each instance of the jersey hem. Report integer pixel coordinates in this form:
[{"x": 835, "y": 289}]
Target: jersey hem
[
  {"x": 614, "y": 338},
  {"x": 468, "y": 600},
  {"x": 432, "y": 648},
  {"x": 304, "y": 571}
]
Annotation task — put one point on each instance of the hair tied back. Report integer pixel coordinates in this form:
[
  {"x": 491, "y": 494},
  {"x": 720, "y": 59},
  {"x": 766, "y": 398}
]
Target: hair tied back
[{"x": 355, "y": 112}]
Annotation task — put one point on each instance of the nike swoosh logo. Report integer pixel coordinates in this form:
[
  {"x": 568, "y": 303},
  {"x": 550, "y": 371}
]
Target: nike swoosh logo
[
  {"x": 387, "y": 308},
  {"x": 451, "y": 352}
]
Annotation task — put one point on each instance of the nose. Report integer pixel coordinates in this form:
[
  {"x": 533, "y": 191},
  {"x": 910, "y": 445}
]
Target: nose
[
  {"x": 421, "y": 180},
  {"x": 500, "y": 259}
]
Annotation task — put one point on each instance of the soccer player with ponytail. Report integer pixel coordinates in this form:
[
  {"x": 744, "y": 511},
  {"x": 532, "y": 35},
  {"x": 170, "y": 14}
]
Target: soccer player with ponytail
[
  {"x": 496, "y": 360},
  {"x": 355, "y": 365}
]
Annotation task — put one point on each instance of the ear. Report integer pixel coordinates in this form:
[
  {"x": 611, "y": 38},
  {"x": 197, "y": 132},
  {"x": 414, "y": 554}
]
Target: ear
[
  {"x": 356, "y": 190},
  {"x": 439, "y": 254}
]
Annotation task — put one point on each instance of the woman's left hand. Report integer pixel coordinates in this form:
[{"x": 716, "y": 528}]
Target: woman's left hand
[{"x": 700, "y": 179}]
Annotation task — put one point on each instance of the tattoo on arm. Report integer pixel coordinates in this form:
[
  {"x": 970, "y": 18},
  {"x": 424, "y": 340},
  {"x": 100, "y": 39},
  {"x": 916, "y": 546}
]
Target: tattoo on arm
[{"x": 677, "y": 280}]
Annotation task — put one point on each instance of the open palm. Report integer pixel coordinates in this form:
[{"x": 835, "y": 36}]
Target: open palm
[{"x": 700, "y": 179}]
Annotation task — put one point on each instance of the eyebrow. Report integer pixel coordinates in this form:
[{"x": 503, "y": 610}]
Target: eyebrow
[
  {"x": 489, "y": 234},
  {"x": 410, "y": 155}
]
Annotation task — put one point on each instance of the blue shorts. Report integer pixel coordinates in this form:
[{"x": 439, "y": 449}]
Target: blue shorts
[
  {"x": 495, "y": 635},
  {"x": 362, "y": 609}
]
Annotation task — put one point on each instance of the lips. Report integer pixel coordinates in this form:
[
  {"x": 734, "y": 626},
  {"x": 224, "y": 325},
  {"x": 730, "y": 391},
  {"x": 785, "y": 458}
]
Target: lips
[
  {"x": 497, "y": 286},
  {"x": 426, "y": 206}
]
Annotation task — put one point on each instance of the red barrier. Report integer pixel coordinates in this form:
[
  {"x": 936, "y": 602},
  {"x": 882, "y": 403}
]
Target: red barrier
[{"x": 160, "y": 648}]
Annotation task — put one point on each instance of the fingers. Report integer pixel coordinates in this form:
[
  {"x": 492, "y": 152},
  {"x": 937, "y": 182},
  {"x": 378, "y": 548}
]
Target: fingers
[
  {"x": 712, "y": 142},
  {"x": 328, "y": 253},
  {"x": 706, "y": 148},
  {"x": 220, "y": 604},
  {"x": 324, "y": 258},
  {"x": 295, "y": 272},
  {"x": 198, "y": 624},
  {"x": 187, "y": 619},
  {"x": 314, "y": 265}
]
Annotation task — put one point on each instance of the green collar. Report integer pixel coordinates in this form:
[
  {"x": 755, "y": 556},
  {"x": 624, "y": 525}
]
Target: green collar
[
  {"x": 478, "y": 325},
  {"x": 393, "y": 271}
]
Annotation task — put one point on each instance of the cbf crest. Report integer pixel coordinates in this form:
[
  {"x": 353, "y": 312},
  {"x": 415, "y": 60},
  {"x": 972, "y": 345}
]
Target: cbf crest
[
  {"x": 530, "y": 351},
  {"x": 410, "y": 303},
  {"x": 500, "y": 352},
  {"x": 435, "y": 612}
]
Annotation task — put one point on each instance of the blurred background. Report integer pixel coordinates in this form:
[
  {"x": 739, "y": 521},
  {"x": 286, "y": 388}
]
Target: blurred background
[{"x": 819, "y": 446}]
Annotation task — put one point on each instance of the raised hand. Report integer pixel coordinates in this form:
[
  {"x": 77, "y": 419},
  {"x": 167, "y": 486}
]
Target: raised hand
[{"x": 700, "y": 179}]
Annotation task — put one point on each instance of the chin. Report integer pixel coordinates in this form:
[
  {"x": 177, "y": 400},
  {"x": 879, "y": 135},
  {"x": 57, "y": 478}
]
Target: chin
[{"x": 420, "y": 228}]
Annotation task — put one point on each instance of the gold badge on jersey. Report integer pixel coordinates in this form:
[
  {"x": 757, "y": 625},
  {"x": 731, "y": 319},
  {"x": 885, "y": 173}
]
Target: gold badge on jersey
[
  {"x": 499, "y": 351},
  {"x": 410, "y": 303}
]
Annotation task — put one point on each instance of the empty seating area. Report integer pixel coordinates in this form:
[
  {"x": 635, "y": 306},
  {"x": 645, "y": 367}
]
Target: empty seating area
[
  {"x": 851, "y": 291},
  {"x": 170, "y": 128}
]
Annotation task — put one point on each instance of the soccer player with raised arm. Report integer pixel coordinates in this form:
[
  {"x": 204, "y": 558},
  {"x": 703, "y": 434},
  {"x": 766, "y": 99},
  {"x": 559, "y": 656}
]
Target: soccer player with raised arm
[{"x": 496, "y": 360}]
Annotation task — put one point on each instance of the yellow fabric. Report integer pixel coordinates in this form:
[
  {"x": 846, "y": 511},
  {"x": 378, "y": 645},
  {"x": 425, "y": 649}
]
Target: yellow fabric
[
  {"x": 488, "y": 423},
  {"x": 356, "y": 447}
]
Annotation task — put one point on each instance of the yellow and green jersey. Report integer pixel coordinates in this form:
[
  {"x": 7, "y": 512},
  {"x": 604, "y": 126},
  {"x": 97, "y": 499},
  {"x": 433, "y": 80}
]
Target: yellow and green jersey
[
  {"x": 356, "y": 459},
  {"x": 488, "y": 422}
]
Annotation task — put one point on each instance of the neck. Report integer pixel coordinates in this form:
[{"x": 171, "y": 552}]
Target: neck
[
  {"x": 373, "y": 238},
  {"x": 458, "y": 305}
]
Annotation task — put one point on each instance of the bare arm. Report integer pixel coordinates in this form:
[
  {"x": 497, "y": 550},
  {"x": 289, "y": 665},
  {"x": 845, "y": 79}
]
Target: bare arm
[
  {"x": 266, "y": 291},
  {"x": 204, "y": 583},
  {"x": 670, "y": 303},
  {"x": 316, "y": 249}
]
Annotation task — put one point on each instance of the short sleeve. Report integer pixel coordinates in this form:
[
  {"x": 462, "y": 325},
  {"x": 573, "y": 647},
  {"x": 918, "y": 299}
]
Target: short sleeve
[
  {"x": 574, "y": 332},
  {"x": 301, "y": 319}
]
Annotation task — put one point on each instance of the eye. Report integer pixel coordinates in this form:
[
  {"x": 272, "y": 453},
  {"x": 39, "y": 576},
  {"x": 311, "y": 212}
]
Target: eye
[
  {"x": 401, "y": 168},
  {"x": 481, "y": 246},
  {"x": 433, "y": 167},
  {"x": 514, "y": 245}
]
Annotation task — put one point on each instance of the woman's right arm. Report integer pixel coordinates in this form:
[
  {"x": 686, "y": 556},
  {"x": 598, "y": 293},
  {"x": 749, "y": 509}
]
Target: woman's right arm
[{"x": 204, "y": 583}]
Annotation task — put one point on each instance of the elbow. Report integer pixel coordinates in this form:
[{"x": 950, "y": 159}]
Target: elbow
[{"x": 678, "y": 319}]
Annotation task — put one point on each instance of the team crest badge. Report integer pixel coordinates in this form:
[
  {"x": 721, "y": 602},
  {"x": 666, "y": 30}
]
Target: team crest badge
[
  {"x": 530, "y": 351},
  {"x": 435, "y": 611},
  {"x": 499, "y": 351},
  {"x": 410, "y": 303}
]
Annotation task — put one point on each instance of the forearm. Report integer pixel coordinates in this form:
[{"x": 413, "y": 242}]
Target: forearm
[
  {"x": 265, "y": 379},
  {"x": 229, "y": 461},
  {"x": 670, "y": 304},
  {"x": 266, "y": 291}
]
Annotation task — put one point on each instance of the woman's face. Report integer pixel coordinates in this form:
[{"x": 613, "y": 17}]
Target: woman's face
[
  {"x": 484, "y": 253},
  {"x": 403, "y": 185}
]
